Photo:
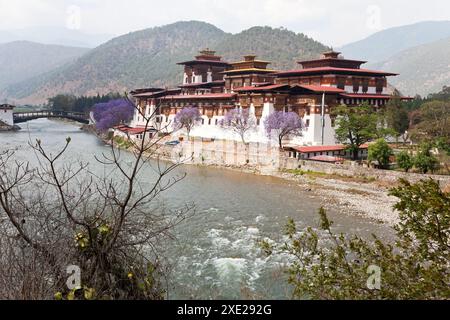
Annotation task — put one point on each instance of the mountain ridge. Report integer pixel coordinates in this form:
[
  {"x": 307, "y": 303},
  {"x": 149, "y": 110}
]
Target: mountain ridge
[
  {"x": 423, "y": 69},
  {"x": 382, "y": 45},
  {"x": 148, "y": 58},
  {"x": 54, "y": 36},
  {"x": 22, "y": 60}
]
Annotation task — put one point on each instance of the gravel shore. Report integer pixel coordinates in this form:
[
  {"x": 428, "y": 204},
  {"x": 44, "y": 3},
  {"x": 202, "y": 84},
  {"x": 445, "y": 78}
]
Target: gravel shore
[{"x": 369, "y": 200}]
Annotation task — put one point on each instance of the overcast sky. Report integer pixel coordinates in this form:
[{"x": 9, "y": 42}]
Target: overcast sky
[{"x": 334, "y": 22}]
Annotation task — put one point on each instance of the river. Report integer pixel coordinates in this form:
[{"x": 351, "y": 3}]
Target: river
[{"x": 215, "y": 254}]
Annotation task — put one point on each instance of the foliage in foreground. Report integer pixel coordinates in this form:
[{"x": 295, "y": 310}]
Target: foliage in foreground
[
  {"x": 416, "y": 266},
  {"x": 105, "y": 230}
]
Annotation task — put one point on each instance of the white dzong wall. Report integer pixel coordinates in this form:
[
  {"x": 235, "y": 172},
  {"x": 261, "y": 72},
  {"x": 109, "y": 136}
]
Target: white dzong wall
[
  {"x": 212, "y": 129},
  {"x": 6, "y": 116}
]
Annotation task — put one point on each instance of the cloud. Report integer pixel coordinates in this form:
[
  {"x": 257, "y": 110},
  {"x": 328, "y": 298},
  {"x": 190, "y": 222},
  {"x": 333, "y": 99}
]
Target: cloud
[{"x": 332, "y": 22}]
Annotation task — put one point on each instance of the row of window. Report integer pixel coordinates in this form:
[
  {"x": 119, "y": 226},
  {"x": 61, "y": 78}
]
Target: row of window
[
  {"x": 373, "y": 102},
  {"x": 216, "y": 121},
  {"x": 343, "y": 153}
]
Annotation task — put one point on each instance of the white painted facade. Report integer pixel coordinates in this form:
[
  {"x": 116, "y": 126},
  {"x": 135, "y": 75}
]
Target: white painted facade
[
  {"x": 6, "y": 114},
  {"x": 212, "y": 129}
]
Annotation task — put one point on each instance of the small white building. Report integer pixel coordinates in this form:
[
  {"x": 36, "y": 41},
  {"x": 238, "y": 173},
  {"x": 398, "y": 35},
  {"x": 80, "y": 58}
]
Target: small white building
[{"x": 6, "y": 114}]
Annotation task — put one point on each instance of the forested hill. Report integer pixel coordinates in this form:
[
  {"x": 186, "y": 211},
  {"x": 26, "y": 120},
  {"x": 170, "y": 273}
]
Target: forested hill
[
  {"x": 423, "y": 69},
  {"x": 280, "y": 46},
  {"x": 149, "y": 57},
  {"x": 22, "y": 60}
]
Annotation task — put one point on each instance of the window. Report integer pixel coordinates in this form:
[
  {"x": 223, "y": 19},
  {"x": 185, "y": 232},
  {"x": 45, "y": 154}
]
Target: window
[
  {"x": 203, "y": 121},
  {"x": 307, "y": 123}
]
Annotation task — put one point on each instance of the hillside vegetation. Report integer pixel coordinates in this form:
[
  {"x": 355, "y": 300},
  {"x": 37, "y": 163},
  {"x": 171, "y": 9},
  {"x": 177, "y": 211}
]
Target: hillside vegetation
[
  {"x": 423, "y": 69},
  {"x": 149, "y": 57},
  {"x": 384, "y": 44},
  {"x": 419, "y": 52},
  {"x": 22, "y": 60},
  {"x": 280, "y": 46}
]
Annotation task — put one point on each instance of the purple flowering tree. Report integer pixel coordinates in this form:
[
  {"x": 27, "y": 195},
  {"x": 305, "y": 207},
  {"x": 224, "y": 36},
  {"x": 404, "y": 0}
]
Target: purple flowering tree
[
  {"x": 112, "y": 113},
  {"x": 239, "y": 121},
  {"x": 187, "y": 118},
  {"x": 283, "y": 124}
]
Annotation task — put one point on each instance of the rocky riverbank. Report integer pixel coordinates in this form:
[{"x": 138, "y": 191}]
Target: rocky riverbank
[
  {"x": 368, "y": 199},
  {"x": 350, "y": 196},
  {"x": 361, "y": 195},
  {"x": 4, "y": 127}
]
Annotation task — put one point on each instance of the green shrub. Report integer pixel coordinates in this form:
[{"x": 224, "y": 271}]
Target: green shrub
[
  {"x": 380, "y": 152},
  {"x": 424, "y": 160},
  {"x": 405, "y": 161},
  {"x": 328, "y": 266}
]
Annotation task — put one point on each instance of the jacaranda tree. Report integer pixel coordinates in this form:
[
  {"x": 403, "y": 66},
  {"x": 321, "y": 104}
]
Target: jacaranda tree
[
  {"x": 112, "y": 113},
  {"x": 283, "y": 124},
  {"x": 187, "y": 118},
  {"x": 240, "y": 121}
]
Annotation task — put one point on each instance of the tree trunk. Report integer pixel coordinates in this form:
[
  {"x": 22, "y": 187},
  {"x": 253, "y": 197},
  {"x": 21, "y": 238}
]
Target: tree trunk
[
  {"x": 355, "y": 154},
  {"x": 280, "y": 141},
  {"x": 243, "y": 139}
]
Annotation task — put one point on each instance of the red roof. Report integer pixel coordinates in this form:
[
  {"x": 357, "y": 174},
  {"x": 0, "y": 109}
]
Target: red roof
[
  {"x": 369, "y": 96},
  {"x": 331, "y": 59},
  {"x": 137, "y": 130},
  {"x": 218, "y": 82},
  {"x": 157, "y": 93},
  {"x": 7, "y": 106},
  {"x": 310, "y": 149},
  {"x": 203, "y": 61},
  {"x": 201, "y": 96},
  {"x": 261, "y": 88},
  {"x": 327, "y": 159},
  {"x": 331, "y": 70},
  {"x": 321, "y": 88},
  {"x": 122, "y": 126},
  {"x": 130, "y": 130}
]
